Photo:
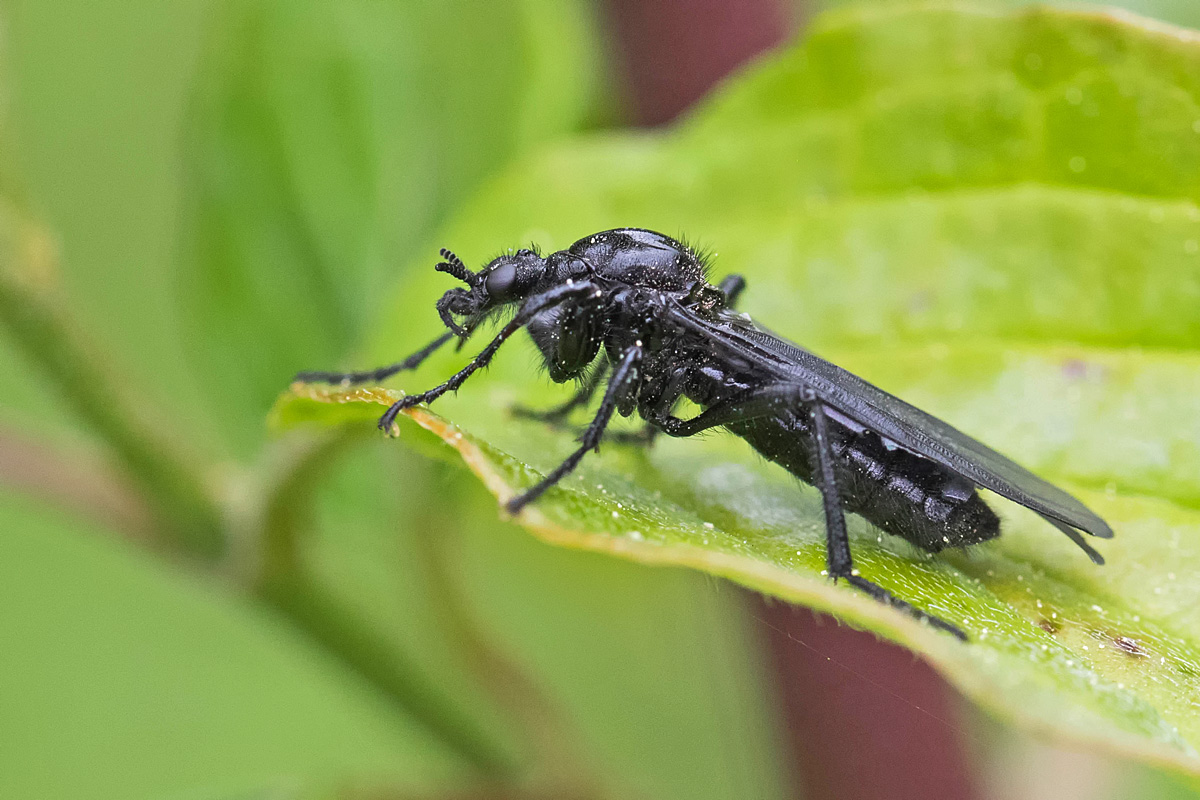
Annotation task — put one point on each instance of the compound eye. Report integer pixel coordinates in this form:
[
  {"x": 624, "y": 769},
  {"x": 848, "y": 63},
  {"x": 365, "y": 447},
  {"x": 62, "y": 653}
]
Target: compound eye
[{"x": 500, "y": 281}]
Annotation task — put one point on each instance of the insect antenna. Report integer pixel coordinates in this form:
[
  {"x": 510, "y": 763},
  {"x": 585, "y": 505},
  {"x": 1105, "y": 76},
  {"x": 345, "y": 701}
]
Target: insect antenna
[{"x": 454, "y": 266}]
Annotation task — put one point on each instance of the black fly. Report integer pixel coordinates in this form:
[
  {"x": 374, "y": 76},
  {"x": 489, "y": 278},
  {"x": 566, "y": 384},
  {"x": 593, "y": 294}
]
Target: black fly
[{"x": 639, "y": 302}]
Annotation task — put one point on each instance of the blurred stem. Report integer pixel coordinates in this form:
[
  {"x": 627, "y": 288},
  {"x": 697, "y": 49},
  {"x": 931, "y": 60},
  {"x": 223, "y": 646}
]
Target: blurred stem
[
  {"x": 335, "y": 627},
  {"x": 188, "y": 517},
  {"x": 474, "y": 793},
  {"x": 75, "y": 480},
  {"x": 32, "y": 310},
  {"x": 281, "y": 580},
  {"x": 510, "y": 684}
]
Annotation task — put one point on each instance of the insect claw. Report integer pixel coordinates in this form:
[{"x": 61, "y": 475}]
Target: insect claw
[{"x": 388, "y": 419}]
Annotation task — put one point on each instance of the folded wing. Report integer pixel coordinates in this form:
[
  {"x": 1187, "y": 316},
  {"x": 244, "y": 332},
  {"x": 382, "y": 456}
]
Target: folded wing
[{"x": 865, "y": 406}]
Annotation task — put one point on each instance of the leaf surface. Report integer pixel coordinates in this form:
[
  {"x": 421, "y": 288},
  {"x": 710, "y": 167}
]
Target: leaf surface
[{"x": 991, "y": 214}]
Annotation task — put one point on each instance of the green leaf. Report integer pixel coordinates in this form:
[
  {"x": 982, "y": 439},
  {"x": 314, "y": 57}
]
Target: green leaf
[
  {"x": 326, "y": 140},
  {"x": 993, "y": 215},
  {"x": 113, "y": 645},
  {"x": 1179, "y": 12}
]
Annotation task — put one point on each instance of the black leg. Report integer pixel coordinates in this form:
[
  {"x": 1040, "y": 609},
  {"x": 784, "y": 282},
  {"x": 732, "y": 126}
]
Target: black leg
[
  {"x": 840, "y": 564},
  {"x": 623, "y": 378},
  {"x": 557, "y": 415},
  {"x": 761, "y": 403},
  {"x": 376, "y": 375},
  {"x": 641, "y": 438},
  {"x": 772, "y": 400},
  {"x": 732, "y": 286},
  {"x": 531, "y": 307}
]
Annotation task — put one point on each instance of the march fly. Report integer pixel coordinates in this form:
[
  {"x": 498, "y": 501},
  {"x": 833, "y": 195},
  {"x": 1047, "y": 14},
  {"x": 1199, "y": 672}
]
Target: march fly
[{"x": 633, "y": 310}]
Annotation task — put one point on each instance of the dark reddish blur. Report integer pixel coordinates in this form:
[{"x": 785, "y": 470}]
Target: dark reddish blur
[
  {"x": 672, "y": 51},
  {"x": 857, "y": 731},
  {"x": 868, "y": 718}
]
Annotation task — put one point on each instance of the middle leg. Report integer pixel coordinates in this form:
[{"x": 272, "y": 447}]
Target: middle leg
[
  {"x": 732, "y": 286},
  {"x": 557, "y": 415},
  {"x": 622, "y": 381}
]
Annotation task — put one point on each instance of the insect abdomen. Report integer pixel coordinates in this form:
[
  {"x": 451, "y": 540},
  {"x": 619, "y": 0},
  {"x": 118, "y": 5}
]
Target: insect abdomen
[{"x": 901, "y": 493}]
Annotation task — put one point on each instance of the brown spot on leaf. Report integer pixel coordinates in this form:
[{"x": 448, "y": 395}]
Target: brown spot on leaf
[
  {"x": 1050, "y": 626},
  {"x": 1131, "y": 647}
]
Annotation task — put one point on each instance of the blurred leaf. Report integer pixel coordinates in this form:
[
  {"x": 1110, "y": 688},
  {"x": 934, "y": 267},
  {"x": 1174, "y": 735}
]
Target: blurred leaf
[
  {"x": 1179, "y": 12},
  {"x": 34, "y": 315},
  {"x": 992, "y": 215},
  {"x": 92, "y": 119},
  {"x": 128, "y": 680},
  {"x": 327, "y": 139}
]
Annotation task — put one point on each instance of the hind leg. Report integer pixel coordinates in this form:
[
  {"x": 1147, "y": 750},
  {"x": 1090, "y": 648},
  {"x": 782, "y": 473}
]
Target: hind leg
[
  {"x": 837, "y": 543},
  {"x": 772, "y": 400}
]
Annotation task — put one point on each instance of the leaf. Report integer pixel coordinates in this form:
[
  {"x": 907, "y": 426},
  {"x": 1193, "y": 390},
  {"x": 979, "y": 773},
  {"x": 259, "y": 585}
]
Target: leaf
[
  {"x": 122, "y": 646},
  {"x": 1179, "y": 12},
  {"x": 326, "y": 140},
  {"x": 993, "y": 215}
]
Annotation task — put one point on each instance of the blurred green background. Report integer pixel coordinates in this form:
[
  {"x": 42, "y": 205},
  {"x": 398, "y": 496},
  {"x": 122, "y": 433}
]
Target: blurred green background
[{"x": 229, "y": 187}]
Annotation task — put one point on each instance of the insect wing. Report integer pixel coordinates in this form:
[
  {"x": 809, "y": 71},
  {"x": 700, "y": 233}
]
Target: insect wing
[{"x": 907, "y": 426}]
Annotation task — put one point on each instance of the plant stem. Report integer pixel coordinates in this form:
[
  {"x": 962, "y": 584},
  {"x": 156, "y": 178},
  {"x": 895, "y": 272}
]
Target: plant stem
[
  {"x": 75, "y": 480},
  {"x": 336, "y": 628},
  {"x": 280, "y": 579},
  {"x": 560, "y": 760},
  {"x": 190, "y": 520},
  {"x": 32, "y": 311}
]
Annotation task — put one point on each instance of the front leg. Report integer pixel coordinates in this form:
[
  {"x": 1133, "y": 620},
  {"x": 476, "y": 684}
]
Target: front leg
[
  {"x": 376, "y": 375},
  {"x": 531, "y": 307}
]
